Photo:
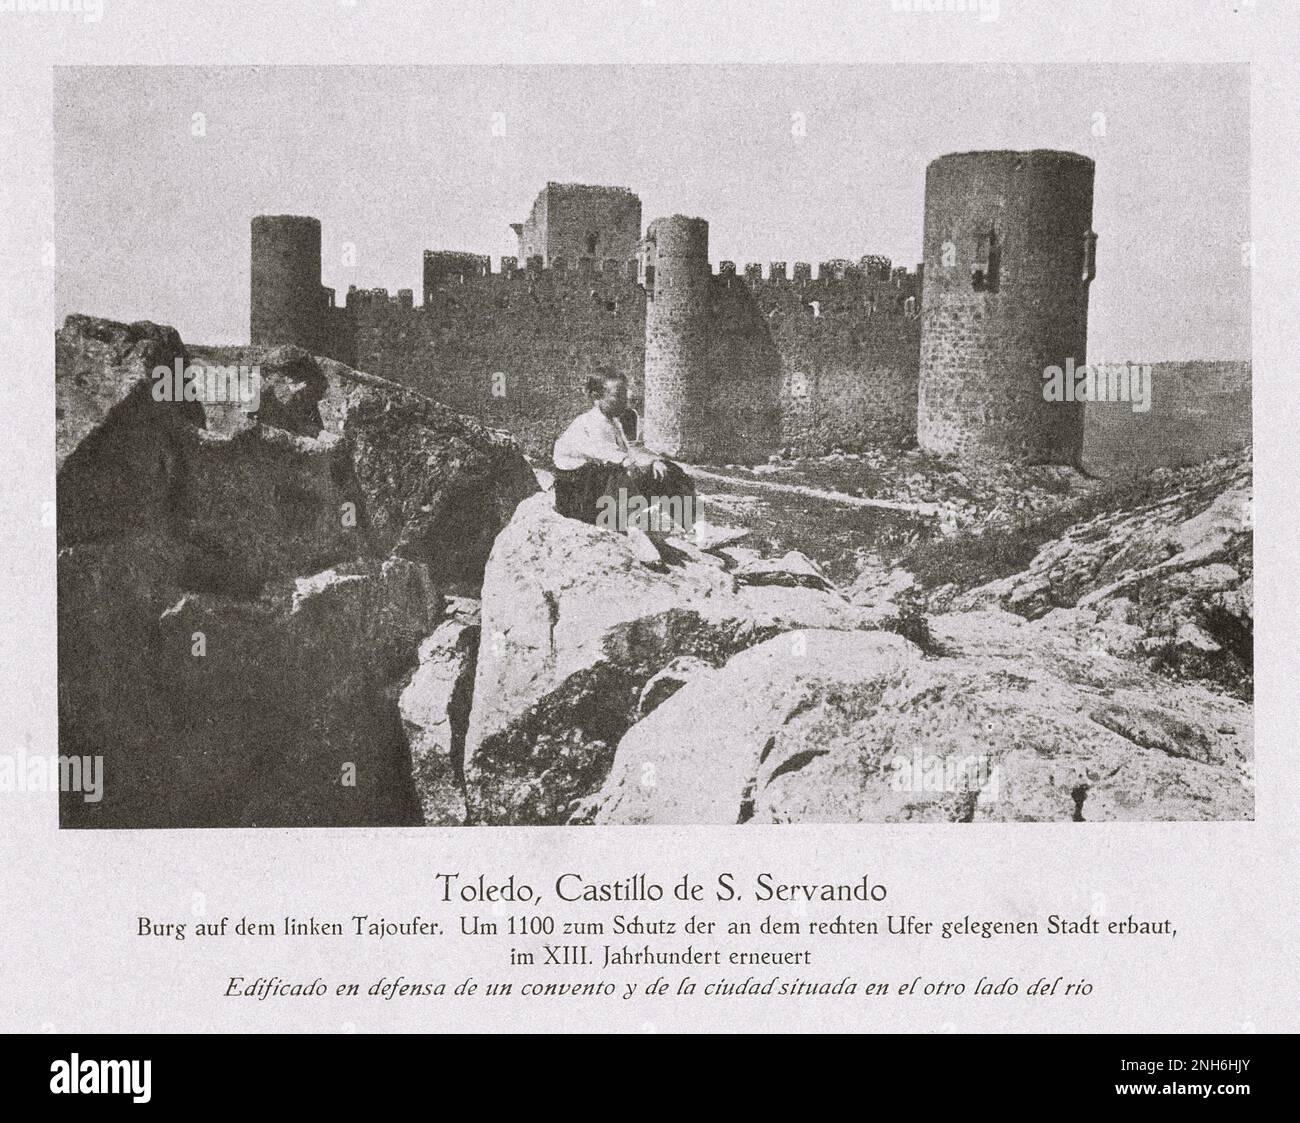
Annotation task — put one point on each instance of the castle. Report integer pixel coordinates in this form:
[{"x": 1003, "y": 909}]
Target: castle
[{"x": 732, "y": 365}]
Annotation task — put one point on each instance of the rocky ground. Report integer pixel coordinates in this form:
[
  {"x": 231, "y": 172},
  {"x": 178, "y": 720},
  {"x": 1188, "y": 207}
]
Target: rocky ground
[
  {"x": 697, "y": 696},
  {"x": 1160, "y": 572},
  {"x": 244, "y": 600},
  {"x": 357, "y": 607},
  {"x": 805, "y": 503}
]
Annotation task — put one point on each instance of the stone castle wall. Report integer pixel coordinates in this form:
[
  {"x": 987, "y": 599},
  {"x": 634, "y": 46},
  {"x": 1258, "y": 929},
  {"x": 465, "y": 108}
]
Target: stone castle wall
[
  {"x": 733, "y": 365},
  {"x": 512, "y": 348},
  {"x": 848, "y": 342},
  {"x": 789, "y": 360}
]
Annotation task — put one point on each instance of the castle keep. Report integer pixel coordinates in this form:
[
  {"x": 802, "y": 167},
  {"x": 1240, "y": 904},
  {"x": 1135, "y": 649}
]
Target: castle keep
[
  {"x": 728, "y": 364},
  {"x": 570, "y": 221}
]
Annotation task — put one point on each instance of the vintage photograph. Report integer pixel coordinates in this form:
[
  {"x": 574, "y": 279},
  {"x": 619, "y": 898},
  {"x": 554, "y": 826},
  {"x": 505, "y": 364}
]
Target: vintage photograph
[{"x": 615, "y": 445}]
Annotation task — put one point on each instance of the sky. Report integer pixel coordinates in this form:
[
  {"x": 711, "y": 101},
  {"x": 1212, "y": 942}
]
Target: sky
[{"x": 158, "y": 171}]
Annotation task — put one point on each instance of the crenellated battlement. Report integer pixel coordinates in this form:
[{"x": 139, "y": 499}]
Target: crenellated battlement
[
  {"x": 856, "y": 275},
  {"x": 454, "y": 268},
  {"x": 445, "y": 270},
  {"x": 511, "y": 339},
  {"x": 448, "y": 268},
  {"x": 357, "y": 298},
  {"x": 842, "y": 295},
  {"x": 868, "y": 270},
  {"x": 725, "y": 359}
]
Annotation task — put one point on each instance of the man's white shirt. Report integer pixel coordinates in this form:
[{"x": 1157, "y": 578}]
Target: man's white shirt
[{"x": 593, "y": 437}]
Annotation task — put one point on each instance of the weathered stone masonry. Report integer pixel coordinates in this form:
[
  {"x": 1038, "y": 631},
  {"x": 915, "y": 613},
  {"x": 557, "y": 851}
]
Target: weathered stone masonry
[
  {"x": 513, "y": 348},
  {"x": 1009, "y": 257},
  {"x": 738, "y": 365},
  {"x": 732, "y": 364},
  {"x": 575, "y": 220}
]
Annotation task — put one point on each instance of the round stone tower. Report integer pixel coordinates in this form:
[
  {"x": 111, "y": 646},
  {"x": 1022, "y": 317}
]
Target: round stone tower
[
  {"x": 287, "y": 304},
  {"x": 1008, "y": 261},
  {"x": 677, "y": 392}
]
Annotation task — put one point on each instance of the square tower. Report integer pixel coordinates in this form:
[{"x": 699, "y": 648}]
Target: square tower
[{"x": 577, "y": 220}]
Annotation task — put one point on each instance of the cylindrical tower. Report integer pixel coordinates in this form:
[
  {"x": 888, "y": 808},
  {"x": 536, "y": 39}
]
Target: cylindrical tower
[
  {"x": 678, "y": 404},
  {"x": 1008, "y": 261},
  {"x": 287, "y": 303}
]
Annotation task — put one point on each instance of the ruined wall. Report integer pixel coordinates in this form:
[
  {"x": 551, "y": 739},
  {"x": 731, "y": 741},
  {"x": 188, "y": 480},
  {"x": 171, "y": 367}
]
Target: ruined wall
[
  {"x": 809, "y": 363},
  {"x": 1008, "y": 261},
  {"x": 741, "y": 407},
  {"x": 802, "y": 363},
  {"x": 512, "y": 348},
  {"x": 448, "y": 267},
  {"x": 575, "y": 213},
  {"x": 532, "y": 231},
  {"x": 338, "y": 334}
]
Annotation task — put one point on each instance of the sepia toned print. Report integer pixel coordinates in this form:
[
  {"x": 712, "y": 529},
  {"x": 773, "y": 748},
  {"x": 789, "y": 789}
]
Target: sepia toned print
[{"x": 942, "y": 525}]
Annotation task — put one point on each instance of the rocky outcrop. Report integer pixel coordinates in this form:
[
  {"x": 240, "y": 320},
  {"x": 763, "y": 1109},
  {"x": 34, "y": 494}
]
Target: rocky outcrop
[
  {"x": 792, "y": 569},
  {"x": 1169, "y": 581},
  {"x": 103, "y": 386},
  {"x": 435, "y": 705},
  {"x": 436, "y": 485},
  {"x": 575, "y": 626},
  {"x": 243, "y": 596},
  {"x": 667, "y": 682},
  {"x": 1016, "y": 722},
  {"x": 610, "y": 691},
  {"x": 266, "y": 617}
]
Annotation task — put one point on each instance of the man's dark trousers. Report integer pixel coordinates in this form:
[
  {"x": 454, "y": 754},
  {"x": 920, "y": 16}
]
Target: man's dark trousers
[{"x": 579, "y": 491}]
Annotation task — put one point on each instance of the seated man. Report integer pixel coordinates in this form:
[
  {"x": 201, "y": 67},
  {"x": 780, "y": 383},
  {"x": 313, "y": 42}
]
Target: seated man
[{"x": 599, "y": 473}]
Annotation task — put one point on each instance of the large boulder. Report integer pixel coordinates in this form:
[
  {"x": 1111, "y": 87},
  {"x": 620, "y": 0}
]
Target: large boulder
[
  {"x": 437, "y": 486},
  {"x": 117, "y": 448},
  {"x": 1016, "y": 721},
  {"x": 243, "y": 595},
  {"x": 435, "y": 706},
  {"x": 575, "y": 625}
]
